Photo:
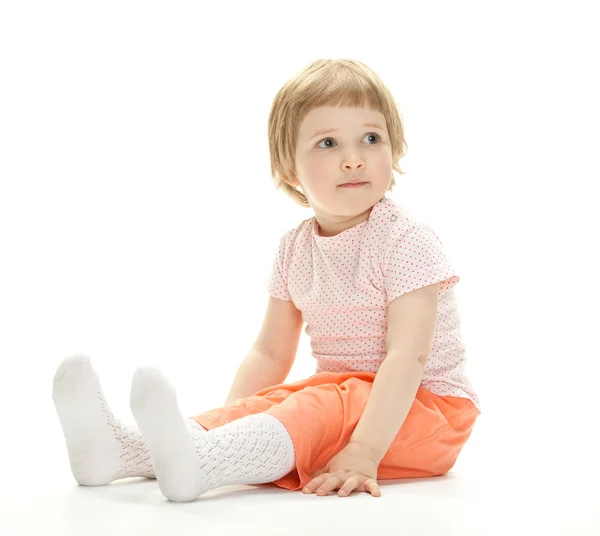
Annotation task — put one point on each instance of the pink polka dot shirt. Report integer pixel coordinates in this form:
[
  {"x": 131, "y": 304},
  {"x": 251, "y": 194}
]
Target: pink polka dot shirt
[{"x": 343, "y": 285}]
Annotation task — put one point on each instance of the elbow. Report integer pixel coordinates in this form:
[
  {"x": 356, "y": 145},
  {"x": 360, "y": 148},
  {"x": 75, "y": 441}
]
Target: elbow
[{"x": 404, "y": 357}]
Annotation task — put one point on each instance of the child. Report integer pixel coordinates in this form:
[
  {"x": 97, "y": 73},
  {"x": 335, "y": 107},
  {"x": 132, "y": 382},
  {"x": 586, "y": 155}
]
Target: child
[{"x": 383, "y": 403}]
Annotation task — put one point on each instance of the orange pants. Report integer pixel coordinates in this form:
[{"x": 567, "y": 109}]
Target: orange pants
[{"x": 321, "y": 413}]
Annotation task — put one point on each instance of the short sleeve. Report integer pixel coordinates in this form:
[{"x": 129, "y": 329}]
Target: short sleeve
[
  {"x": 415, "y": 259},
  {"x": 277, "y": 282}
]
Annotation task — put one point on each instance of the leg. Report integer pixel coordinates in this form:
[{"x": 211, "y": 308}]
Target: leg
[
  {"x": 322, "y": 412},
  {"x": 260, "y": 402},
  {"x": 431, "y": 438},
  {"x": 255, "y": 449},
  {"x": 100, "y": 448}
]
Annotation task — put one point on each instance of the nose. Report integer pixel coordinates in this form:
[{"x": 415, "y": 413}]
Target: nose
[{"x": 354, "y": 163}]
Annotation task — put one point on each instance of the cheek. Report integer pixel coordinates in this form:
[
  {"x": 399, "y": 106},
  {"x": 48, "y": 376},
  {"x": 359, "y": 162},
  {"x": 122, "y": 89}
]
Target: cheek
[
  {"x": 383, "y": 166},
  {"x": 318, "y": 166},
  {"x": 319, "y": 173}
]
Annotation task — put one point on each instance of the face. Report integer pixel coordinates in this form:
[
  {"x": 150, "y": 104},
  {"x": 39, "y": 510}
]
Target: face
[{"x": 325, "y": 161}]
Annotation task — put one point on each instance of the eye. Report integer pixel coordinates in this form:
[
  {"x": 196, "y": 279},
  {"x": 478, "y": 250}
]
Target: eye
[{"x": 369, "y": 134}]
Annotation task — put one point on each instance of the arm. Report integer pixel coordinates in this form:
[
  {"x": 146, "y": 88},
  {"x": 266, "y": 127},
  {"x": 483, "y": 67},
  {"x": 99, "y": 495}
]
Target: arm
[
  {"x": 394, "y": 389},
  {"x": 411, "y": 327},
  {"x": 256, "y": 372},
  {"x": 273, "y": 353}
]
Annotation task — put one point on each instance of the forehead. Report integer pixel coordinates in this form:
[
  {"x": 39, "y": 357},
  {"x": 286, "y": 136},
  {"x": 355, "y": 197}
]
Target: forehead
[{"x": 339, "y": 117}]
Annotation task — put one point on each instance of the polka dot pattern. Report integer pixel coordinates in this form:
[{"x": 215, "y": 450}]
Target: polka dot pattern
[{"x": 343, "y": 285}]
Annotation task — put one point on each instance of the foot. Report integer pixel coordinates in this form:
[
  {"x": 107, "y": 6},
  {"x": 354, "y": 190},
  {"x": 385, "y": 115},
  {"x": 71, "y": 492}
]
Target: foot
[
  {"x": 170, "y": 436},
  {"x": 100, "y": 448}
]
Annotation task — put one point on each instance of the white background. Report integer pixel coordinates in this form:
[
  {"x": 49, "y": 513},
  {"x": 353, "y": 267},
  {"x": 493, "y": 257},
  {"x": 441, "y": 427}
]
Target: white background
[{"x": 138, "y": 224}]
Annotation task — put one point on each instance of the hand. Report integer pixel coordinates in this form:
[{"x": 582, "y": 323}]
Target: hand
[{"x": 353, "y": 468}]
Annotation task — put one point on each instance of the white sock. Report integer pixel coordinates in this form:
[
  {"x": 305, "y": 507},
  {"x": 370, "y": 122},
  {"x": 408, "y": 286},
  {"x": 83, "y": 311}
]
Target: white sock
[
  {"x": 100, "y": 448},
  {"x": 256, "y": 449}
]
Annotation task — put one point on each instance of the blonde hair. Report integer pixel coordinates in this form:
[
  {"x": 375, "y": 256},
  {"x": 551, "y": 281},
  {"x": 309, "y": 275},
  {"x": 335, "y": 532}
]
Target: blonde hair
[{"x": 327, "y": 82}]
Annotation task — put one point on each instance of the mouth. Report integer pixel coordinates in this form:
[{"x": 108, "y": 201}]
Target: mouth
[{"x": 353, "y": 184}]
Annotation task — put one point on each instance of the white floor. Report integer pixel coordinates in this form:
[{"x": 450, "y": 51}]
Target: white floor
[{"x": 486, "y": 493}]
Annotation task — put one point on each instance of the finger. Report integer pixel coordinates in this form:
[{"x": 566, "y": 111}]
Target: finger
[
  {"x": 373, "y": 487},
  {"x": 348, "y": 486},
  {"x": 329, "y": 485},
  {"x": 315, "y": 483}
]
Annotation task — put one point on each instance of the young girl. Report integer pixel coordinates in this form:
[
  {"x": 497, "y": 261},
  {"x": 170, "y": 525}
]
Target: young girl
[{"x": 390, "y": 397}]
